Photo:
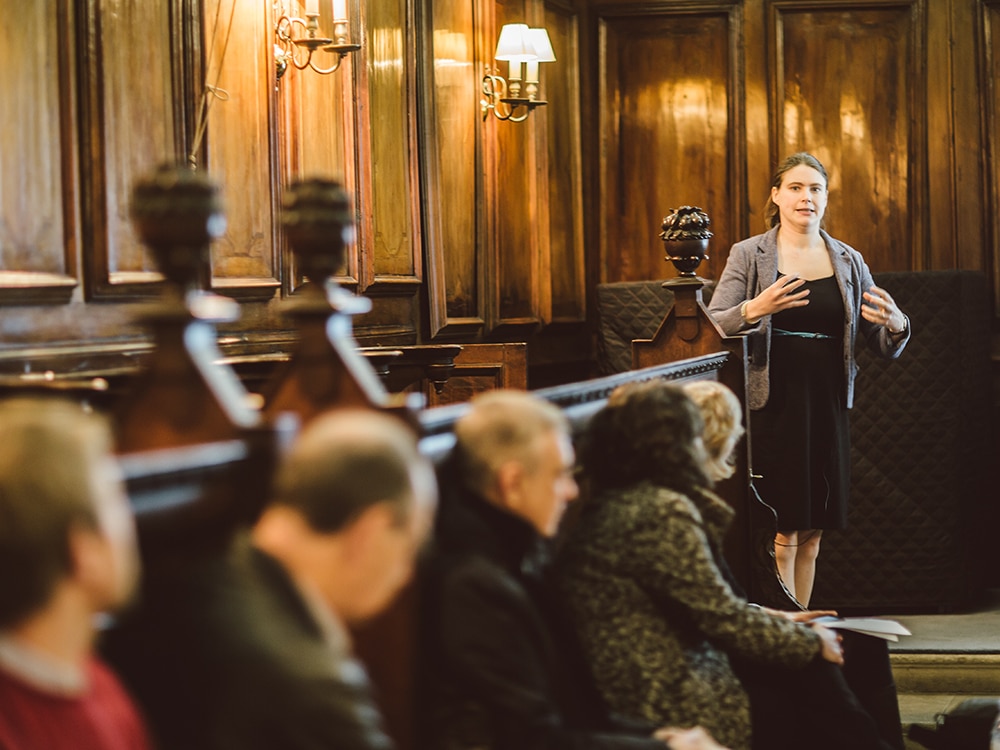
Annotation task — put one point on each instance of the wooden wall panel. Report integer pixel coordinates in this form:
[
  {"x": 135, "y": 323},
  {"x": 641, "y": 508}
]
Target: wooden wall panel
[
  {"x": 965, "y": 235},
  {"x": 38, "y": 190},
  {"x": 563, "y": 274},
  {"x": 135, "y": 118},
  {"x": 394, "y": 238},
  {"x": 670, "y": 100},
  {"x": 516, "y": 203},
  {"x": 483, "y": 367},
  {"x": 317, "y": 134},
  {"x": 989, "y": 14},
  {"x": 239, "y": 65},
  {"x": 453, "y": 165},
  {"x": 865, "y": 129}
]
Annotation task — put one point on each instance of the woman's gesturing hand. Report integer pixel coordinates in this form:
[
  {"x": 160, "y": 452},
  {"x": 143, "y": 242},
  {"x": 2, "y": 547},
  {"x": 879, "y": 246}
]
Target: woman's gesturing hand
[
  {"x": 882, "y": 310},
  {"x": 781, "y": 295}
]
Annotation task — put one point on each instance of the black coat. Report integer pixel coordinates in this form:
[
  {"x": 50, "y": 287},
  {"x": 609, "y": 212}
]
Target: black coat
[
  {"x": 225, "y": 653},
  {"x": 500, "y": 671}
]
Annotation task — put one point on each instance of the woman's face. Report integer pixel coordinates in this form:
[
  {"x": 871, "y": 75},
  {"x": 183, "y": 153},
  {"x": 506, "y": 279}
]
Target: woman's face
[{"x": 801, "y": 198}]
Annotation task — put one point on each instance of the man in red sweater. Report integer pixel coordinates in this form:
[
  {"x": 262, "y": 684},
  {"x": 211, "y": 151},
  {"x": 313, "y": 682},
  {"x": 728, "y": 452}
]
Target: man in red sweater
[{"x": 67, "y": 554}]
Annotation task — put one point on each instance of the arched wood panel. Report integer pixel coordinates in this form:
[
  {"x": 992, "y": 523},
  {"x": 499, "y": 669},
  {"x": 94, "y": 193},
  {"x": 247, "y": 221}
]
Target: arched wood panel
[
  {"x": 134, "y": 120},
  {"x": 391, "y": 175},
  {"x": 39, "y": 232},
  {"x": 849, "y": 89},
  {"x": 455, "y": 219},
  {"x": 240, "y": 144},
  {"x": 563, "y": 271},
  {"x": 518, "y": 207},
  {"x": 671, "y": 133},
  {"x": 989, "y": 17}
]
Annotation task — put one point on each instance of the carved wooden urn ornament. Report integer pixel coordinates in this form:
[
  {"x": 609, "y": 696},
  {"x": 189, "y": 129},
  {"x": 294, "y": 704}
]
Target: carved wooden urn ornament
[
  {"x": 177, "y": 212},
  {"x": 319, "y": 224},
  {"x": 685, "y": 238}
]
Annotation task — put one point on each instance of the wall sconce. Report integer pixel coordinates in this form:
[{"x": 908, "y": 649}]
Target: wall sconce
[
  {"x": 517, "y": 44},
  {"x": 308, "y": 38}
]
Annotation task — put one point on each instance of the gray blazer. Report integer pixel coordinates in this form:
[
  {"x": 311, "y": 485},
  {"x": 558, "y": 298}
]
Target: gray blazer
[{"x": 753, "y": 266}]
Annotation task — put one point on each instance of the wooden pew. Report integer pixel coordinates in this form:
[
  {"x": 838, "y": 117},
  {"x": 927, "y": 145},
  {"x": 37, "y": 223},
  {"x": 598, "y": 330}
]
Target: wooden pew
[
  {"x": 688, "y": 330},
  {"x": 198, "y": 459},
  {"x": 186, "y": 493}
]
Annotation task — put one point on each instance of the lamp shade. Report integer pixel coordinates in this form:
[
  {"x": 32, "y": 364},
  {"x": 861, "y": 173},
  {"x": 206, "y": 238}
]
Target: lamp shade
[
  {"x": 539, "y": 39},
  {"x": 514, "y": 44}
]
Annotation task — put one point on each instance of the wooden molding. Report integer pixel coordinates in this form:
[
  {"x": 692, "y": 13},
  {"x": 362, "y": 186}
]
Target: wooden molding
[
  {"x": 455, "y": 230},
  {"x": 35, "y": 288}
]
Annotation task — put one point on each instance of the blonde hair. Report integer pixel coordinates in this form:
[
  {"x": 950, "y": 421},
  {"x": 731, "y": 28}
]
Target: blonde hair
[{"x": 723, "y": 416}]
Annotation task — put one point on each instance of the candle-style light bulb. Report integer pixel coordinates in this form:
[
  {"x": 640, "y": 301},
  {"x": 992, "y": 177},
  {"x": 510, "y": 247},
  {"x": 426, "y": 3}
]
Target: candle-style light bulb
[
  {"x": 531, "y": 71},
  {"x": 312, "y": 7},
  {"x": 514, "y": 73},
  {"x": 339, "y": 10}
]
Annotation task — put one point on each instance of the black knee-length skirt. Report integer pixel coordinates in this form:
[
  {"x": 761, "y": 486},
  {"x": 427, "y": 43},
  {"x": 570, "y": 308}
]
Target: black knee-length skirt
[{"x": 800, "y": 439}]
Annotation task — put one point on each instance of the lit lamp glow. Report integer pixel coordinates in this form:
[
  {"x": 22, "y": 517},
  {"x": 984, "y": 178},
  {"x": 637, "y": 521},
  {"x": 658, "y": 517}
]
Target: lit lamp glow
[
  {"x": 539, "y": 39},
  {"x": 517, "y": 44}
]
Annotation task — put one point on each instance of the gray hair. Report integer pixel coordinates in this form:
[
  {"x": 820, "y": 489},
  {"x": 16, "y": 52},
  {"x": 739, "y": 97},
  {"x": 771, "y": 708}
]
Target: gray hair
[{"x": 502, "y": 426}]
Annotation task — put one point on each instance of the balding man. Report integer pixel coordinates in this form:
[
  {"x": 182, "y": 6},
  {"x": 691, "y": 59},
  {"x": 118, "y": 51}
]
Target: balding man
[
  {"x": 258, "y": 653},
  {"x": 494, "y": 676}
]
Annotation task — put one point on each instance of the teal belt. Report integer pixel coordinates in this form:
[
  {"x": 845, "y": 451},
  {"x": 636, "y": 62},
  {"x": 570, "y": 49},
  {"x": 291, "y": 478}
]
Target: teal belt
[{"x": 800, "y": 334}]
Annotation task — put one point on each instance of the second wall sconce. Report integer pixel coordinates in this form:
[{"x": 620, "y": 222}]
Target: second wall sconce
[
  {"x": 293, "y": 35},
  {"x": 517, "y": 44}
]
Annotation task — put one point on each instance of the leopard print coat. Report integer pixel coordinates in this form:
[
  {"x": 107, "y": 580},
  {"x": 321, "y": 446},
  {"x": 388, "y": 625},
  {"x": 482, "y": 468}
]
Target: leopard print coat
[{"x": 641, "y": 577}]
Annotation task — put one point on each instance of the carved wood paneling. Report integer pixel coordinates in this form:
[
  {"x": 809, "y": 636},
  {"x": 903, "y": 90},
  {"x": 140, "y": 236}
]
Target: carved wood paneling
[
  {"x": 518, "y": 208},
  {"x": 483, "y": 367},
  {"x": 670, "y": 101},
  {"x": 990, "y": 66},
  {"x": 955, "y": 137},
  {"x": 866, "y": 130},
  {"x": 453, "y": 164},
  {"x": 38, "y": 176},
  {"x": 318, "y": 136},
  {"x": 563, "y": 272},
  {"x": 392, "y": 176},
  {"x": 239, "y": 81},
  {"x": 134, "y": 117}
]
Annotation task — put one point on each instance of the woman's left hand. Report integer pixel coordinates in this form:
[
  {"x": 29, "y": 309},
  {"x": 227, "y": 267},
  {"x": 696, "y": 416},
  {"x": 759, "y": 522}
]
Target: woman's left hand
[{"x": 882, "y": 310}]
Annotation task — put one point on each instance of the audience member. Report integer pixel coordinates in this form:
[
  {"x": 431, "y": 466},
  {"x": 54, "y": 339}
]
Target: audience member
[
  {"x": 251, "y": 650},
  {"x": 500, "y": 672},
  {"x": 867, "y": 669},
  {"x": 67, "y": 553},
  {"x": 643, "y": 575}
]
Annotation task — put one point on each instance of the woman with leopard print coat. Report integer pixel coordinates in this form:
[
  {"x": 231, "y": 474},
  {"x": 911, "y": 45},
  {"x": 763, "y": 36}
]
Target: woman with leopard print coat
[{"x": 666, "y": 636}]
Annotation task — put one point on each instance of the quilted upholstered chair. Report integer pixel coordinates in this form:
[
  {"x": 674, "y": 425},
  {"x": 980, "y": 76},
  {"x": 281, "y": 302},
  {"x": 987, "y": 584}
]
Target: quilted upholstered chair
[{"x": 629, "y": 310}]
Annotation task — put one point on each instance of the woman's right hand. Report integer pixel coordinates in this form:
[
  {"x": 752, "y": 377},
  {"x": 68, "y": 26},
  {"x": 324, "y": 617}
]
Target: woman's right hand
[
  {"x": 781, "y": 295},
  {"x": 830, "y": 647}
]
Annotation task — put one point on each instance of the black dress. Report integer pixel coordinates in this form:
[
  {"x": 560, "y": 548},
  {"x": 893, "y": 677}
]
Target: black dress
[{"x": 801, "y": 443}]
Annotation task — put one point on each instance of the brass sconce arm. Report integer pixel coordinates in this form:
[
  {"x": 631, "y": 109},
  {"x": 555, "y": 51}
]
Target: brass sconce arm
[
  {"x": 287, "y": 44},
  {"x": 502, "y": 106},
  {"x": 518, "y": 45}
]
